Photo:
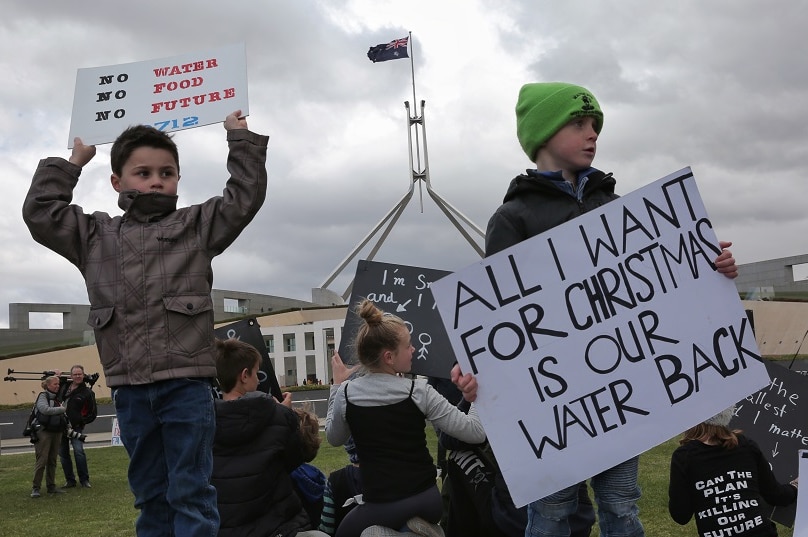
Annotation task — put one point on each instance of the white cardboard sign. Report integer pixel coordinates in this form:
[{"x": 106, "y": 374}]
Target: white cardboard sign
[
  {"x": 171, "y": 94},
  {"x": 601, "y": 338},
  {"x": 801, "y": 521}
]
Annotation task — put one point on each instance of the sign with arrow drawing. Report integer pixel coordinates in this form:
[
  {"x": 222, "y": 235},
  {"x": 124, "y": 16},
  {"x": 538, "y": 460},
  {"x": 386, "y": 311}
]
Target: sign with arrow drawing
[
  {"x": 404, "y": 291},
  {"x": 774, "y": 417}
]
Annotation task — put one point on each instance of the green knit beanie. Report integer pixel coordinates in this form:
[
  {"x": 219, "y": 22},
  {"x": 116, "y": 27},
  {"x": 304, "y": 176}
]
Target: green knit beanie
[{"x": 544, "y": 107}]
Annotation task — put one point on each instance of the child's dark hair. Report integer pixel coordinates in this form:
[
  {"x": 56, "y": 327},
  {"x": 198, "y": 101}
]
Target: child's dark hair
[
  {"x": 380, "y": 332},
  {"x": 309, "y": 433},
  {"x": 232, "y": 357},
  {"x": 140, "y": 136},
  {"x": 725, "y": 437}
]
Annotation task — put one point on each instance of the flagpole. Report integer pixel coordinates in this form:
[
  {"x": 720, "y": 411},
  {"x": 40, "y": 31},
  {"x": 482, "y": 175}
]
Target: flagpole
[
  {"x": 412, "y": 70},
  {"x": 417, "y": 175},
  {"x": 415, "y": 119}
]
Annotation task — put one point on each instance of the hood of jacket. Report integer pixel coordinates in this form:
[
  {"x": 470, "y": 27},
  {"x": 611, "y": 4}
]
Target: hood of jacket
[{"x": 244, "y": 419}]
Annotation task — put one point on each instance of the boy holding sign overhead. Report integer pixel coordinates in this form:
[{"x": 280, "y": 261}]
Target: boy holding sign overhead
[
  {"x": 558, "y": 125},
  {"x": 148, "y": 275}
]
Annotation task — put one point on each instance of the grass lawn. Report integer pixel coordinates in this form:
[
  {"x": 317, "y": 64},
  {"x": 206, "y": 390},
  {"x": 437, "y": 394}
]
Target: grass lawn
[{"x": 106, "y": 509}]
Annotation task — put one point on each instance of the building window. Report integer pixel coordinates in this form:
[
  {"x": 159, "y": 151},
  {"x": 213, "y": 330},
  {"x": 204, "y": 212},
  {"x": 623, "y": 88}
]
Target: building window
[
  {"x": 309, "y": 340},
  {"x": 270, "y": 343},
  {"x": 289, "y": 343},
  {"x": 236, "y": 305}
]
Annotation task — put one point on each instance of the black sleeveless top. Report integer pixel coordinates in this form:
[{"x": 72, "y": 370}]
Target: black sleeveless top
[{"x": 391, "y": 443}]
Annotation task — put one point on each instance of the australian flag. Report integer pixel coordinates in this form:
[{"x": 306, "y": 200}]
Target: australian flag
[{"x": 393, "y": 50}]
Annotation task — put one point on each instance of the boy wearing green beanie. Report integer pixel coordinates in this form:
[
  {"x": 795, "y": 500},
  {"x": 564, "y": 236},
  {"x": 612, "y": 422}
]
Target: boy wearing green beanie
[{"x": 558, "y": 125}]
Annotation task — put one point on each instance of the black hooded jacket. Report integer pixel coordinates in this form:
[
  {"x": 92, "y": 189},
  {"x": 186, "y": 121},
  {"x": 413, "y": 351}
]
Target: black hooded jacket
[
  {"x": 532, "y": 205},
  {"x": 257, "y": 445}
]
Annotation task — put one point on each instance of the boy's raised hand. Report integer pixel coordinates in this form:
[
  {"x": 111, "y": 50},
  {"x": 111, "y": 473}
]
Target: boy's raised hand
[
  {"x": 725, "y": 263},
  {"x": 235, "y": 121},
  {"x": 82, "y": 154}
]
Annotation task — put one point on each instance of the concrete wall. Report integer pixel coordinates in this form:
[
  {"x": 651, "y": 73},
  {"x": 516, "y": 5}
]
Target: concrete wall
[
  {"x": 74, "y": 327},
  {"x": 772, "y": 278},
  {"x": 780, "y": 327},
  {"x": 74, "y": 316},
  {"x": 251, "y": 304}
]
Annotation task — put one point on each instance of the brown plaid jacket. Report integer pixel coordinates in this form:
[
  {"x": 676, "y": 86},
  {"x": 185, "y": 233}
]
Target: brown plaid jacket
[{"x": 148, "y": 272}]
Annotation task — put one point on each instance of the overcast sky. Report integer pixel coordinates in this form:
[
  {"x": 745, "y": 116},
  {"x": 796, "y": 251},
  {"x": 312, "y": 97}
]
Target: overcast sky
[{"x": 719, "y": 86}]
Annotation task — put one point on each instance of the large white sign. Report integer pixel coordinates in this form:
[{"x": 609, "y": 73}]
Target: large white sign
[
  {"x": 801, "y": 522},
  {"x": 601, "y": 338},
  {"x": 169, "y": 93}
]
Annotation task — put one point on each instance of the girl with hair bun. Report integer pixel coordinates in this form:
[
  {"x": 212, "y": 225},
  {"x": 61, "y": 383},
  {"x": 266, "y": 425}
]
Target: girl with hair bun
[{"x": 386, "y": 414}]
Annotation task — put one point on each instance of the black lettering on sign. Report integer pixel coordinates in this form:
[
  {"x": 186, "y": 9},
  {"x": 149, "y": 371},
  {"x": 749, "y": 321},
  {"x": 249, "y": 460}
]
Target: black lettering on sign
[
  {"x": 681, "y": 376},
  {"x": 590, "y": 415}
]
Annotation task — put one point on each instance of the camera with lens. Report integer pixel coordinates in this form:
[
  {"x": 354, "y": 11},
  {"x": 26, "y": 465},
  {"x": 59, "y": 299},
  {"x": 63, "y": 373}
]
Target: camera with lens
[
  {"x": 35, "y": 426},
  {"x": 91, "y": 379},
  {"x": 31, "y": 429},
  {"x": 71, "y": 433}
]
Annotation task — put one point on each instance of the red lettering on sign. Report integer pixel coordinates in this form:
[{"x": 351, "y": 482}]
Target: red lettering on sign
[
  {"x": 184, "y": 68},
  {"x": 182, "y": 84},
  {"x": 200, "y": 99}
]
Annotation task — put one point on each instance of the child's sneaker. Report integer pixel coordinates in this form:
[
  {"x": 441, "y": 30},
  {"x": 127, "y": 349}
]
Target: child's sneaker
[
  {"x": 382, "y": 531},
  {"x": 426, "y": 529}
]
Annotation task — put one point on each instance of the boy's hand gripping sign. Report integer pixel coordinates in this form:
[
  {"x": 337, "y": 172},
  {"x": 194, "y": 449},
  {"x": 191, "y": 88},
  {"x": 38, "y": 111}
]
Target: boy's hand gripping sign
[
  {"x": 601, "y": 338},
  {"x": 169, "y": 93}
]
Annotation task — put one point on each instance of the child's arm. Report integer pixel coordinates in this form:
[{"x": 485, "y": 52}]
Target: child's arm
[
  {"x": 221, "y": 219},
  {"x": 725, "y": 263},
  {"x": 48, "y": 211},
  {"x": 336, "y": 427},
  {"x": 501, "y": 233},
  {"x": 465, "y": 427},
  {"x": 679, "y": 502},
  {"x": 328, "y": 516}
]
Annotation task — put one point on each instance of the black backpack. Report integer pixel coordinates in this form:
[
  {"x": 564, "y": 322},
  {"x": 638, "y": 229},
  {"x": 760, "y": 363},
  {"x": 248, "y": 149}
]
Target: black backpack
[
  {"x": 29, "y": 424},
  {"x": 90, "y": 409}
]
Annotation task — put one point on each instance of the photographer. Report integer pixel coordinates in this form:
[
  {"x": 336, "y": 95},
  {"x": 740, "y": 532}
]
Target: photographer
[
  {"x": 48, "y": 427},
  {"x": 79, "y": 401}
]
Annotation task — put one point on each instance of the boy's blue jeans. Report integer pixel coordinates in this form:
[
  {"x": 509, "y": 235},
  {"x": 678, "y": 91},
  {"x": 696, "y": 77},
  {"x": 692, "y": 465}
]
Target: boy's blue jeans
[
  {"x": 616, "y": 494},
  {"x": 167, "y": 428},
  {"x": 81, "y": 459}
]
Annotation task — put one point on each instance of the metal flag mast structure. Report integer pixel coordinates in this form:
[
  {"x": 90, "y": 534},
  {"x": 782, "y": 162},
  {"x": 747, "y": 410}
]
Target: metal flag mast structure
[{"x": 418, "y": 175}]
